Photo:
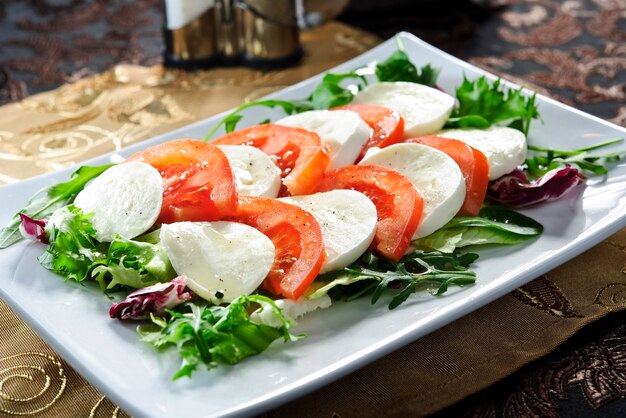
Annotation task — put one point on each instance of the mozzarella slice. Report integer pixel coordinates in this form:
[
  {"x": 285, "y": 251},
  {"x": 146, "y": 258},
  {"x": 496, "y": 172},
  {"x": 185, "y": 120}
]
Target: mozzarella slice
[
  {"x": 348, "y": 220},
  {"x": 222, "y": 260},
  {"x": 435, "y": 175},
  {"x": 344, "y": 132},
  {"x": 255, "y": 172},
  {"x": 424, "y": 109},
  {"x": 505, "y": 148},
  {"x": 126, "y": 200},
  {"x": 291, "y": 309}
]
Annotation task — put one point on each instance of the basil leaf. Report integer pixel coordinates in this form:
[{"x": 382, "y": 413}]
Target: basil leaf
[
  {"x": 464, "y": 237},
  {"x": 511, "y": 220},
  {"x": 445, "y": 240},
  {"x": 48, "y": 199}
]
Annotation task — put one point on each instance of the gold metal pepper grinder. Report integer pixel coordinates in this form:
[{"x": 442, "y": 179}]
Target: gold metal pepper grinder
[{"x": 257, "y": 33}]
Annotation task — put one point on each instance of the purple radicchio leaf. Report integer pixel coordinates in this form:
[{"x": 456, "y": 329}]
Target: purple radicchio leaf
[
  {"x": 153, "y": 299},
  {"x": 33, "y": 229},
  {"x": 516, "y": 190}
]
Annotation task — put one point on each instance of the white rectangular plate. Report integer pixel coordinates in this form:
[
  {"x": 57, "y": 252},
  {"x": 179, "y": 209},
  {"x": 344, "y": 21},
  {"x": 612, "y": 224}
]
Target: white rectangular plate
[{"x": 74, "y": 320}]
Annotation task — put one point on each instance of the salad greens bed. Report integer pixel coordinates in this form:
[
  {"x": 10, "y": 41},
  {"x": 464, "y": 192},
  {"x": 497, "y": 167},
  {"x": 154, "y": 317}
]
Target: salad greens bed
[{"x": 211, "y": 335}]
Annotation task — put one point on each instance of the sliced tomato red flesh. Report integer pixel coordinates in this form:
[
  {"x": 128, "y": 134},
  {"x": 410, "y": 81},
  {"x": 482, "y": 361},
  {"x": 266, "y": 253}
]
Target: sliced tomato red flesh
[
  {"x": 297, "y": 239},
  {"x": 473, "y": 165},
  {"x": 387, "y": 125},
  {"x": 301, "y": 156},
  {"x": 398, "y": 204},
  {"x": 198, "y": 183}
]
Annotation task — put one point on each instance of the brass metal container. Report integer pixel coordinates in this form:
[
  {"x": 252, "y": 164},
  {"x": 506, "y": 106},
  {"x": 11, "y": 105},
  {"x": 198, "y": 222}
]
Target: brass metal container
[
  {"x": 191, "y": 45},
  {"x": 256, "y": 33}
]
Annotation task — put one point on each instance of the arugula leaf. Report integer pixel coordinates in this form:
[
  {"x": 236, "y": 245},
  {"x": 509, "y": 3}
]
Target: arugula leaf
[
  {"x": 329, "y": 93},
  {"x": 469, "y": 121},
  {"x": 398, "y": 67},
  {"x": 326, "y": 284},
  {"x": 494, "y": 225},
  {"x": 134, "y": 264},
  {"x": 428, "y": 75},
  {"x": 73, "y": 247},
  {"x": 481, "y": 102},
  {"x": 48, "y": 199},
  {"x": 214, "y": 335},
  {"x": 230, "y": 121},
  {"x": 588, "y": 162},
  {"x": 412, "y": 273}
]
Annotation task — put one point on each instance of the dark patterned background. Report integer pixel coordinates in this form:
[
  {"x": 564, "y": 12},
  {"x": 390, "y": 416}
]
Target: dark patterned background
[{"x": 572, "y": 50}]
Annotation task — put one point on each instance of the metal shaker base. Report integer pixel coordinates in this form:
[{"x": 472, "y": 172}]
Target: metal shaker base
[{"x": 170, "y": 61}]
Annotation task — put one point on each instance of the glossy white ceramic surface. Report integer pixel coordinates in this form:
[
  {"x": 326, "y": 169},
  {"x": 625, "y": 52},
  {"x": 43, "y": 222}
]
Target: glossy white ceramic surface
[{"x": 74, "y": 320}]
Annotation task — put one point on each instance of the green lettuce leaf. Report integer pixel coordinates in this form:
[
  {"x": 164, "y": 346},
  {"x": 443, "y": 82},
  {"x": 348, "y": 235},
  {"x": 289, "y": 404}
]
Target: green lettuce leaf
[
  {"x": 48, "y": 199},
  {"x": 482, "y": 104},
  {"x": 494, "y": 225},
  {"x": 73, "y": 247},
  {"x": 74, "y": 252},
  {"x": 214, "y": 335},
  {"x": 134, "y": 264}
]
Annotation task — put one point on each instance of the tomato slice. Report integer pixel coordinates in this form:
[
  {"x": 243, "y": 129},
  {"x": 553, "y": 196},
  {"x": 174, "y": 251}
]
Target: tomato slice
[
  {"x": 198, "y": 183},
  {"x": 398, "y": 204},
  {"x": 473, "y": 165},
  {"x": 302, "y": 157},
  {"x": 387, "y": 125},
  {"x": 297, "y": 238}
]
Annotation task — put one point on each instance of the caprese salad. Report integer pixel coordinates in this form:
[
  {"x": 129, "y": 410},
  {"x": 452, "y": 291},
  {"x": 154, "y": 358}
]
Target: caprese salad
[{"x": 362, "y": 189}]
